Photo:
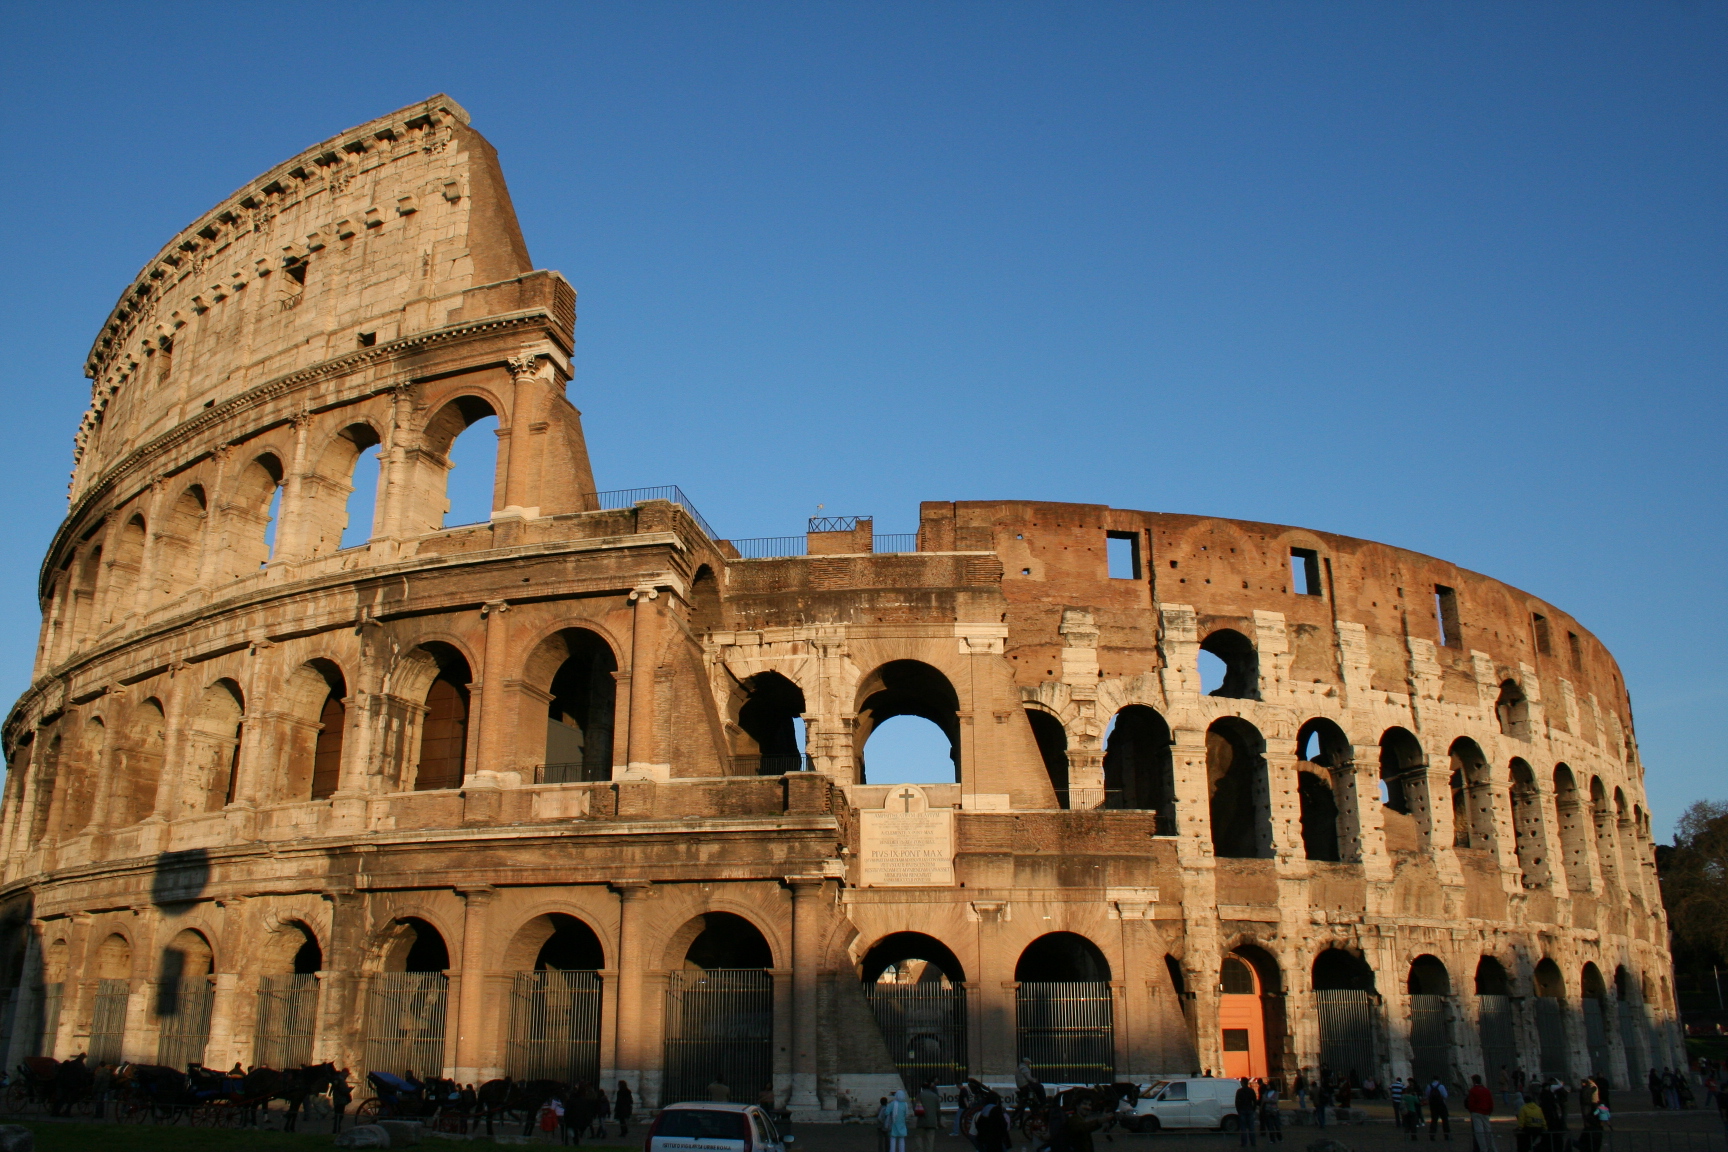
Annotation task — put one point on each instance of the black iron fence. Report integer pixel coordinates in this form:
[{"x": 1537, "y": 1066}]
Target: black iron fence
[
  {"x": 405, "y": 1023},
  {"x": 185, "y": 1022},
  {"x": 287, "y": 1018},
  {"x": 630, "y": 497},
  {"x": 555, "y": 1027},
  {"x": 719, "y": 1026},
  {"x": 1346, "y": 1018},
  {"x": 1067, "y": 1030},
  {"x": 924, "y": 1027},
  {"x": 108, "y": 1021}
]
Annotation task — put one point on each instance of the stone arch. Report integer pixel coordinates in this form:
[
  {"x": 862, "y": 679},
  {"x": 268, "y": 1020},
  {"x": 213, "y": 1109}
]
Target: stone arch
[
  {"x": 249, "y": 515},
  {"x": 1574, "y": 840},
  {"x": 1241, "y": 664},
  {"x": 1251, "y": 1019},
  {"x": 138, "y": 769},
  {"x": 907, "y": 688},
  {"x": 88, "y": 767},
  {"x": 1052, "y": 741},
  {"x": 124, "y": 566},
  {"x": 1325, "y": 768},
  {"x": 1403, "y": 765},
  {"x": 437, "y": 676},
  {"x": 291, "y": 947},
  {"x": 1512, "y": 710},
  {"x": 83, "y": 605},
  {"x": 911, "y": 958},
  {"x": 1139, "y": 772},
  {"x": 179, "y": 542},
  {"x": 1428, "y": 987},
  {"x": 555, "y": 941},
  {"x": 720, "y": 939},
  {"x": 428, "y": 496},
  {"x": 570, "y": 675},
  {"x": 1428, "y": 976},
  {"x": 325, "y": 492},
  {"x": 114, "y": 958},
  {"x": 1062, "y": 957},
  {"x": 1528, "y": 838},
  {"x": 413, "y": 944},
  {"x": 48, "y": 759},
  {"x": 705, "y": 608},
  {"x": 1492, "y": 978},
  {"x": 1238, "y": 789},
  {"x": 1547, "y": 979},
  {"x": 1607, "y": 850},
  {"x": 314, "y": 713},
  {"x": 214, "y": 731},
  {"x": 767, "y": 741},
  {"x": 1472, "y": 795},
  {"x": 187, "y": 957},
  {"x": 1341, "y": 969}
]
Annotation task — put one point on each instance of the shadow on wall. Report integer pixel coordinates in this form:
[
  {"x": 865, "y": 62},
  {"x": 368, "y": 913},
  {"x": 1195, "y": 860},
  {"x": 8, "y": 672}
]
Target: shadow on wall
[{"x": 180, "y": 877}]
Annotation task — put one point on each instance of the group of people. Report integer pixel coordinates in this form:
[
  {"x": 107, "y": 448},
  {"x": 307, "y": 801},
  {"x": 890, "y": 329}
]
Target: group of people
[
  {"x": 1257, "y": 1112},
  {"x": 583, "y": 1110},
  {"x": 900, "y": 1116}
]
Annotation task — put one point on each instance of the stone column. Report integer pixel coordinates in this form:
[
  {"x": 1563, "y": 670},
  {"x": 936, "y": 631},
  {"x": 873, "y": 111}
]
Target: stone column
[
  {"x": 473, "y": 1050},
  {"x": 807, "y": 921},
  {"x": 642, "y": 760},
  {"x": 291, "y": 524},
  {"x": 76, "y": 992},
  {"x": 138, "y": 1044},
  {"x": 995, "y": 1006},
  {"x": 393, "y": 489},
  {"x": 20, "y": 1043},
  {"x": 495, "y": 726},
  {"x": 522, "y": 468},
  {"x": 633, "y": 1056}
]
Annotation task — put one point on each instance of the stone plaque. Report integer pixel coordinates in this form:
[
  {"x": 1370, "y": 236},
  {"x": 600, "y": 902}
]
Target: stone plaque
[{"x": 906, "y": 844}]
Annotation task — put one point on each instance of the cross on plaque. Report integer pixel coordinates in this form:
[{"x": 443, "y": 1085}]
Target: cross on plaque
[{"x": 906, "y": 796}]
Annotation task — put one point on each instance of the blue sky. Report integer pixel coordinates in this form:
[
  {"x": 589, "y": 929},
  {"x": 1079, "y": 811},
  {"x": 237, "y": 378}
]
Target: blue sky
[{"x": 1449, "y": 276}]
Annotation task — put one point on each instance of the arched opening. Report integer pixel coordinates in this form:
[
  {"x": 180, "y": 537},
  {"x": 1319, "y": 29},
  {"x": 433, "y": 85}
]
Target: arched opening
[
  {"x": 1052, "y": 741},
  {"x": 1138, "y": 771},
  {"x": 405, "y": 1002},
  {"x": 47, "y": 784},
  {"x": 82, "y": 611},
  {"x": 123, "y": 570},
  {"x": 1250, "y": 1013},
  {"x": 579, "y": 718},
  {"x": 1472, "y": 796},
  {"x": 1345, "y": 1003},
  {"x": 1429, "y": 988},
  {"x": 108, "y": 1011},
  {"x": 314, "y": 700},
  {"x": 1634, "y": 1028},
  {"x": 288, "y": 997},
  {"x": 213, "y": 743},
  {"x": 1064, "y": 1019},
  {"x": 1512, "y": 709},
  {"x": 251, "y": 515},
  {"x": 184, "y": 994},
  {"x": 1325, "y": 768},
  {"x": 1574, "y": 841},
  {"x": 80, "y": 786},
  {"x": 1235, "y": 665},
  {"x": 470, "y": 488},
  {"x": 555, "y": 1006},
  {"x": 704, "y": 600},
  {"x": 1240, "y": 795},
  {"x": 720, "y": 1012},
  {"x": 1494, "y": 1023},
  {"x": 1527, "y": 824},
  {"x": 1550, "y": 1006},
  {"x": 1607, "y": 851},
  {"x": 180, "y": 543},
  {"x": 1593, "y": 992},
  {"x": 1403, "y": 793},
  {"x": 772, "y": 720},
  {"x": 1626, "y": 836},
  {"x": 350, "y": 472},
  {"x": 913, "y": 689},
  {"x": 915, "y": 987},
  {"x": 140, "y": 767},
  {"x": 443, "y": 756}
]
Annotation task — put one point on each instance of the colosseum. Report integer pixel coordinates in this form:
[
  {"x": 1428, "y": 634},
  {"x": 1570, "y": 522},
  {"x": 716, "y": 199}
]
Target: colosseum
[{"x": 583, "y": 790}]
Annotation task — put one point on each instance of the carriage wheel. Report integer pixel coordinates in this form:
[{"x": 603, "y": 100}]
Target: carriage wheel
[
  {"x": 16, "y": 1098},
  {"x": 135, "y": 1112},
  {"x": 86, "y": 1106},
  {"x": 368, "y": 1111}
]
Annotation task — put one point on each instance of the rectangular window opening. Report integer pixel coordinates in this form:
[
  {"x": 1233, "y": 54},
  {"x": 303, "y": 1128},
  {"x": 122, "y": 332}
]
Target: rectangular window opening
[
  {"x": 1305, "y": 572},
  {"x": 1235, "y": 1039},
  {"x": 1124, "y": 553},
  {"x": 1446, "y": 615},
  {"x": 1544, "y": 643},
  {"x": 1577, "y": 648}
]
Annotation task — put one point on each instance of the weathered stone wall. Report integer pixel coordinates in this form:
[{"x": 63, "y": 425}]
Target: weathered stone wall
[{"x": 240, "y": 730}]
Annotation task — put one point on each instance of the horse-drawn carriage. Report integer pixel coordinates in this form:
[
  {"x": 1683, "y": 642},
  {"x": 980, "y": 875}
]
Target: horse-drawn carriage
[{"x": 58, "y": 1087}]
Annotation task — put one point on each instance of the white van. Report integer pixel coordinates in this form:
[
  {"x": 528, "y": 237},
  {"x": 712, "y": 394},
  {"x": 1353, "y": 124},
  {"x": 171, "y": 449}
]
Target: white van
[
  {"x": 698, "y": 1127},
  {"x": 1186, "y": 1102}
]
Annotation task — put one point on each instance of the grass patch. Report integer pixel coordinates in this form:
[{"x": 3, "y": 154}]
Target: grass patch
[{"x": 76, "y": 1137}]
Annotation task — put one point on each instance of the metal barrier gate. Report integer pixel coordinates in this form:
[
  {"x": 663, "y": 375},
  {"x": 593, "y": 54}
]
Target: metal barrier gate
[
  {"x": 719, "y": 1026},
  {"x": 108, "y": 1021},
  {"x": 1430, "y": 1044},
  {"x": 1632, "y": 1041},
  {"x": 287, "y": 1015},
  {"x": 1067, "y": 1030},
  {"x": 185, "y": 1023},
  {"x": 924, "y": 1027},
  {"x": 46, "y": 1018},
  {"x": 405, "y": 1023},
  {"x": 1347, "y": 1031},
  {"x": 555, "y": 1027},
  {"x": 1596, "y": 1039},
  {"x": 1551, "y": 1032},
  {"x": 1499, "y": 1038}
]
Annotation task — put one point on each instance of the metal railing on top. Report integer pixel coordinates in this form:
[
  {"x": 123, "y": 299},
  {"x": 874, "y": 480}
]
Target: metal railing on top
[
  {"x": 770, "y": 547},
  {"x": 895, "y": 542},
  {"x": 630, "y": 497},
  {"x": 835, "y": 523}
]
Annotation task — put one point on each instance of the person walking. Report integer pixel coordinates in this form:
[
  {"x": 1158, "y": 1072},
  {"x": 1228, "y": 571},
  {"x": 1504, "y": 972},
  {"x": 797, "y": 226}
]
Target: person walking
[
  {"x": 1247, "y": 1108},
  {"x": 1301, "y": 1087},
  {"x": 962, "y": 1101},
  {"x": 1322, "y": 1101},
  {"x": 1412, "y": 1116},
  {"x": 1396, "y": 1091},
  {"x": 1504, "y": 1084},
  {"x": 1532, "y": 1126},
  {"x": 1554, "y": 1117},
  {"x": 1479, "y": 1102},
  {"x": 623, "y": 1107},
  {"x": 927, "y": 1113},
  {"x": 1271, "y": 1123},
  {"x": 898, "y": 1112},
  {"x": 1439, "y": 1116}
]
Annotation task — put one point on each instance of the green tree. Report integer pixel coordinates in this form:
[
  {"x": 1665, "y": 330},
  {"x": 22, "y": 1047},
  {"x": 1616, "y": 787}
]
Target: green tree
[{"x": 1694, "y": 875}]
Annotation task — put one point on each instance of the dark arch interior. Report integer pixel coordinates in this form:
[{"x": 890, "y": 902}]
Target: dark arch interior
[
  {"x": 767, "y": 716},
  {"x": 444, "y": 731},
  {"x": 901, "y": 946},
  {"x": 1319, "y": 817},
  {"x": 913, "y": 688},
  {"x": 1548, "y": 980},
  {"x": 728, "y": 941},
  {"x": 1062, "y": 957},
  {"x": 1265, "y": 966},
  {"x": 1592, "y": 984},
  {"x": 1240, "y": 801},
  {"x": 426, "y": 952},
  {"x": 579, "y": 719},
  {"x": 309, "y": 957},
  {"x": 1469, "y": 773},
  {"x": 1177, "y": 980},
  {"x": 1623, "y": 983},
  {"x": 1052, "y": 741},
  {"x": 1428, "y": 977},
  {"x": 1512, "y": 709},
  {"x": 1338, "y": 970},
  {"x": 571, "y": 947},
  {"x": 1401, "y": 758},
  {"x": 1491, "y": 978},
  {"x": 704, "y": 600},
  {"x": 1241, "y": 664},
  {"x": 1138, "y": 773}
]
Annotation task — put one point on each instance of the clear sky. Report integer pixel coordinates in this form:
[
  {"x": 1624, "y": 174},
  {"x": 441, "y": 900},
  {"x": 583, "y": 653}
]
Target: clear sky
[{"x": 1445, "y": 275}]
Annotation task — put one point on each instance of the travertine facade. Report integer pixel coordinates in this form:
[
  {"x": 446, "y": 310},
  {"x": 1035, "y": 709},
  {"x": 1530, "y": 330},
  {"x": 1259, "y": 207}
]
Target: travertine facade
[{"x": 249, "y": 752}]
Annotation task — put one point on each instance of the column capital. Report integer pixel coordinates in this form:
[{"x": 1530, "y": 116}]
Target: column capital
[
  {"x": 807, "y": 884},
  {"x": 477, "y": 894},
  {"x": 491, "y": 606},
  {"x": 632, "y": 889}
]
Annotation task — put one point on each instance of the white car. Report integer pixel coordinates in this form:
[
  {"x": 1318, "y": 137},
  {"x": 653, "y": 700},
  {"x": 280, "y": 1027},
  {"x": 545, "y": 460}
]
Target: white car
[
  {"x": 1186, "y": 1102},
  {"x": 699, "y": 1127}
]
